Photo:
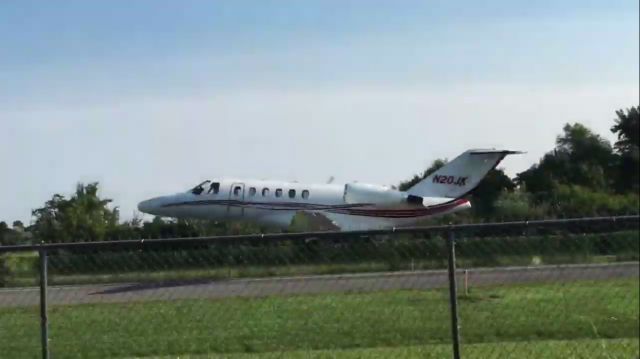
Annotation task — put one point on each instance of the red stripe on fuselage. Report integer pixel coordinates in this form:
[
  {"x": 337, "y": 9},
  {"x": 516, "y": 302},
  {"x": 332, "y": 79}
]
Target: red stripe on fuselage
[
  {"x": 357, "y": 209},
  {"x": 403, "y": 213}
]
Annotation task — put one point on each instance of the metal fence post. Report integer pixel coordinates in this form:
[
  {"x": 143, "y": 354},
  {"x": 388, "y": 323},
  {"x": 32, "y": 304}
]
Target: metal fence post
[
  {"x": 453, "y": 295},
  {"x": 466, "y": 282},
  {"x": 44, "y": 321}
]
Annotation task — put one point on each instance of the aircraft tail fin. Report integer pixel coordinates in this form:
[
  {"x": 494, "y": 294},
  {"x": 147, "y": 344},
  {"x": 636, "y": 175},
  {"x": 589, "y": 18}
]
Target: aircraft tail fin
[{"x": 460, "y": 176}]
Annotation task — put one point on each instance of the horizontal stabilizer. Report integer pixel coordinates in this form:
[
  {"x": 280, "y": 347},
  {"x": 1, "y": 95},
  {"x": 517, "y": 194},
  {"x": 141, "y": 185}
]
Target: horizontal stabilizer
[{"x": 504, "y": 152}]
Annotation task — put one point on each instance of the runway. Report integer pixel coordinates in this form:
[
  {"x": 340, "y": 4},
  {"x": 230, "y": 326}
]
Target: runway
[{"x": 283, "y": 286}]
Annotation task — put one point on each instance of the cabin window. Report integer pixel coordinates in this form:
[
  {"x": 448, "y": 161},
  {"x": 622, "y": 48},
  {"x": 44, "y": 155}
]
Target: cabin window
[
  {"x": 237, "y": 190},
  {"x": 214, "y": 188},
  {"x": 279, "y": 192},
  {"x": 252, "y": 191},
  {"x": 292, "y": 193},
  {"x": 265, "y": 192},
  {"x": 305, "y": 194}
]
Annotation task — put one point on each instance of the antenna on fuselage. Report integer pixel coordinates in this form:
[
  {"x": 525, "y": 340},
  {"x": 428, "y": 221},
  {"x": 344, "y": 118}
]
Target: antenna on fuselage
[{"x": 330, "y": 180}]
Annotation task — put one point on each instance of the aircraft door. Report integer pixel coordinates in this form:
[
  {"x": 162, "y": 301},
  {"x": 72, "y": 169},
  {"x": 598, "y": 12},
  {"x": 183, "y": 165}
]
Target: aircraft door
[{"x": 235, "y": 208}]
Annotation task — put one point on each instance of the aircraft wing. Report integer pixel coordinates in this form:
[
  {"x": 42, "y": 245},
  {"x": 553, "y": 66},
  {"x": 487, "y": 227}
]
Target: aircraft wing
[{"x": 306, "y": 221}]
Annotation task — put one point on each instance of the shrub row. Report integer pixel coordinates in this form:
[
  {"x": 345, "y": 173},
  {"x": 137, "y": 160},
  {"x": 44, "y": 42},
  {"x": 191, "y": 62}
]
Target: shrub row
[{"x": 389, "y": 250}]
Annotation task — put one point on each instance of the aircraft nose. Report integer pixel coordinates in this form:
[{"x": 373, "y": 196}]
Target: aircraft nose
[{"x": 149, "y": 206}]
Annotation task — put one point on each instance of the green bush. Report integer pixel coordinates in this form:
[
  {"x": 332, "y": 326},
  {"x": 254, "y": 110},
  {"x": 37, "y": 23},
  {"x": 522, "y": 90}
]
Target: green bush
[
  {"x": 17, "y": 265},
  {"x": 5, "y": 273},
  {"x": 395, "y": 252},
  {"x": 518, "y": 205},
  {"x": 576, "y": 201}
]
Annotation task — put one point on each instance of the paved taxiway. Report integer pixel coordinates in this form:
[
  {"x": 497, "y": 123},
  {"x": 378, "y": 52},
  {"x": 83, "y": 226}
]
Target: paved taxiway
[{"x": 368, "y": 282}]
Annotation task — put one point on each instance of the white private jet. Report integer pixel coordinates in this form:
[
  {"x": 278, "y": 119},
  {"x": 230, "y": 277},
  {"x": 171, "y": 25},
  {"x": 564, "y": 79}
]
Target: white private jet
[{"x": 351, "y": 206}]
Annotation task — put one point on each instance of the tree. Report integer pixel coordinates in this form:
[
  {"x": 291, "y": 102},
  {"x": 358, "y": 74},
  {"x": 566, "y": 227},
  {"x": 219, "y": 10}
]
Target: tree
[
  {"x": 589, "y": 157},
  {"x": 626, "y": 128},
  {"x": 539, "y": 179},
  {"x": 628, "y": 164},
  {"x": 3, "y": 229},
  {"x": 435, "y": 165},
  {"x": 10, "y": 236},
  {"x": 484, "y": 197},
  {"x": 580, "y": 157},
  {"x": 18, "y": 225},
  {"x": 83, "y": 217}
]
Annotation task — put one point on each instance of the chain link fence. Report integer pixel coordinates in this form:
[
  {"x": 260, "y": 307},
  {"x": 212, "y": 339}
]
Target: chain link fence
[{"x": 552, "y": 289}]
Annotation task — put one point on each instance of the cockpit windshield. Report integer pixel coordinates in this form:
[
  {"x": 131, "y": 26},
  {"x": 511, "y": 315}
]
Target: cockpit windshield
[
  {"x": 199, "y": 188},
  {"x": 206, "y": 187}
]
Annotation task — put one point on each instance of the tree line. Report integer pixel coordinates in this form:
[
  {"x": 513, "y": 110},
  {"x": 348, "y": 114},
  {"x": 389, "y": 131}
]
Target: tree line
[{"x": 583, "y": 175}]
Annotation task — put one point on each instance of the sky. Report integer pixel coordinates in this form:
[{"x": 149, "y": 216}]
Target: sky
[{"x": 150, "y": 97}]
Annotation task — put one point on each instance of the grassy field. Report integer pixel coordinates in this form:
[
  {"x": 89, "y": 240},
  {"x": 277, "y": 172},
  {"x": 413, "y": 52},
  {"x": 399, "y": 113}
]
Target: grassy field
[
  {"x": 575, "y": 319},
  {"x": 550, "y": 349}
]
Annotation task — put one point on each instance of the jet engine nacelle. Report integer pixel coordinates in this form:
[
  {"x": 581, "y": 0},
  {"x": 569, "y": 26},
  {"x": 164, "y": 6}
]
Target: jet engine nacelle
[{"x": 369, "y": 193}]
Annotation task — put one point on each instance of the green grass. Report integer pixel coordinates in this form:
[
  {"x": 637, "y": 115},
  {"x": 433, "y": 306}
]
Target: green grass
[
  {"x": 550, "y": 349},
  {"x": 405, "y": 322}
]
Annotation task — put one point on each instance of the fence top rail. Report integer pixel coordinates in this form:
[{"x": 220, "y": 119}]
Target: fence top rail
[{"x": 148, "y": 243}]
